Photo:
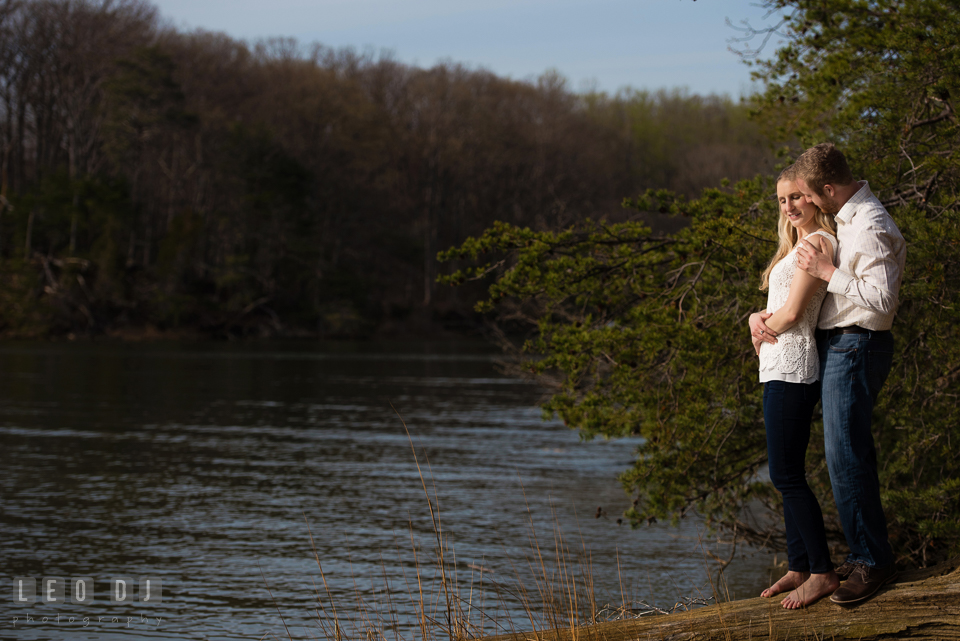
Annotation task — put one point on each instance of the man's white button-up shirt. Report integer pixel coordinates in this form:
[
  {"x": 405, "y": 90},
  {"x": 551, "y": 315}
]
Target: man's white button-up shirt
[{"x": 865, "y": 288}]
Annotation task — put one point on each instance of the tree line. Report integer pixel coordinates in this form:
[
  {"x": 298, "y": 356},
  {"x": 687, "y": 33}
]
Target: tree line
[
  {"x": 155, "y": 178},
  {"x": 643, "y": 332}
]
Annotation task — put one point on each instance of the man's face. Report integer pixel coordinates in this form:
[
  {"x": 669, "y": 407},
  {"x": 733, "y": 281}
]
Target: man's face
[{"x": 827, "y": 203}]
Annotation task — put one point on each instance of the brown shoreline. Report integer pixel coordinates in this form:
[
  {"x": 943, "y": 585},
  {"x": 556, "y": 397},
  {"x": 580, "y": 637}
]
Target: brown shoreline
[
  {"x": 417, "y": 328},
  {"x": 922, "y": 604}
]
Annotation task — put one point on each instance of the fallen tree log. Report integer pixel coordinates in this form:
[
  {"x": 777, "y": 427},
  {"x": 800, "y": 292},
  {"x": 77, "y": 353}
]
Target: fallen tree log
[{"x": 922, "y": 604}]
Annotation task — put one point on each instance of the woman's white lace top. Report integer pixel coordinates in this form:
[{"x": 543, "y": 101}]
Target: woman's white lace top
[{"x": 794, "y": 358}]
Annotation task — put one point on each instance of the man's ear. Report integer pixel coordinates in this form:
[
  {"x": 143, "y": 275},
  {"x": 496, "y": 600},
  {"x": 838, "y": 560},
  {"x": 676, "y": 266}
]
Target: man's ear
[{"x": 829, "y": 190}]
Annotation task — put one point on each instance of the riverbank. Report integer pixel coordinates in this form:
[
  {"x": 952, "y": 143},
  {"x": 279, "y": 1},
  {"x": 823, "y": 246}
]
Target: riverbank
[
  {"x": 425, "y": 324},
  {"x": 922, "y": 604}
]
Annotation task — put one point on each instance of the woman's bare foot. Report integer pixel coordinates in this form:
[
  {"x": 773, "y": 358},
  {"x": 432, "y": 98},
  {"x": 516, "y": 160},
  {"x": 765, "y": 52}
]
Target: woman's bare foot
[
  {"x": 790, "y": 581},
  {"x": 813, "y": 589}
]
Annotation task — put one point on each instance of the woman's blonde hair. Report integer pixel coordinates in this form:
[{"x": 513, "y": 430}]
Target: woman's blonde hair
[{"x": 789, "y": 235}]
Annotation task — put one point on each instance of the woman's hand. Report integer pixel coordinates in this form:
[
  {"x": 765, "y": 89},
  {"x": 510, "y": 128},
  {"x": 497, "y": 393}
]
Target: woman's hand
[
  {"x": 756, "y": 345},
  {"x": 759, "y": 330}
]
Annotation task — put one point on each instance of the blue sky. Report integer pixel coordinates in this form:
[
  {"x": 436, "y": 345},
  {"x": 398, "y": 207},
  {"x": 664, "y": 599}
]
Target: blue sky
[{"x": 604, "y": 44}]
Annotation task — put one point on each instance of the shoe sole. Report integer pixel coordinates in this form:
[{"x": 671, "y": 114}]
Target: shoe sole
[{"x": 889, "y": 580}]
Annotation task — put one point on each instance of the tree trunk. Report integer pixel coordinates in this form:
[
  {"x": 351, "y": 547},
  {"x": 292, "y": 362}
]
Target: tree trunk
[
  {"x": 429, "y": 253},
  {"x": 922, "y": 604},
  {"x": 29, "y": 239}
]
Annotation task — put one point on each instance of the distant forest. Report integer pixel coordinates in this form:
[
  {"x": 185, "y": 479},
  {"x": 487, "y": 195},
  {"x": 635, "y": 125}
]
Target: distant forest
[{"x": 157, "y": 181}]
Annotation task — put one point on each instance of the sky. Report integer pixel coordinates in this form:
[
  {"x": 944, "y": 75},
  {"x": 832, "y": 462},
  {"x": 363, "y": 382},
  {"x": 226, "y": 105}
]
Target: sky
[{"x": 595, "y": 44}]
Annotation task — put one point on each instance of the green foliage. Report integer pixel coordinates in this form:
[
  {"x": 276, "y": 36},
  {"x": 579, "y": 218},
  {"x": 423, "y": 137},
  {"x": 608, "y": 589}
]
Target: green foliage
[
  {"x": 919, "y": 424},
  {"x": 144, "y": 104},
  {"x": 878, "y": 77},
  {"x": 646, "y": 334},
  {"x": 24, "y": 310},
  {"x": 643, "y": 335},
  {"x": 683, "y": 142}
]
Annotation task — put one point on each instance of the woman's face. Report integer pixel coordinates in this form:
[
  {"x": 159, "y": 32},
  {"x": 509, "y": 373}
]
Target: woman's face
[{"x": 793, "y": 205}]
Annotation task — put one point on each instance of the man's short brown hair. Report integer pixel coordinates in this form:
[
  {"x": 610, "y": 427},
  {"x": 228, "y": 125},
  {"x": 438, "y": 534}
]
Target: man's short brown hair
[{"x": 822, "y": 165}]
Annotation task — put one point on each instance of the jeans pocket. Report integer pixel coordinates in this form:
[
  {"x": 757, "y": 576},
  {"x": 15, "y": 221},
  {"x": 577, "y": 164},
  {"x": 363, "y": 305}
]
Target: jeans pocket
[{"x": 841, "y": 343}]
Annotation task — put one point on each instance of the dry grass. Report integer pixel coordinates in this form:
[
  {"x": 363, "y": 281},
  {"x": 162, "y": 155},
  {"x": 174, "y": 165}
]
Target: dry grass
[{"x": 438, "y": 603}]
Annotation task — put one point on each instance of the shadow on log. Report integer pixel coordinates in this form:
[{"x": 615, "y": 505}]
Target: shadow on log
[{"x": 922, "y": 604}]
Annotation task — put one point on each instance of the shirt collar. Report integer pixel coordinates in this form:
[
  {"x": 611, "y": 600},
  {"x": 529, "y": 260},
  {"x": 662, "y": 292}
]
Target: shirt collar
[{"x": 845, "y": 215}]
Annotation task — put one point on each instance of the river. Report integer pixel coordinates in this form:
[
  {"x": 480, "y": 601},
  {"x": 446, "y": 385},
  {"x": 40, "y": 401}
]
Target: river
[{"x": 206, "y": 468}]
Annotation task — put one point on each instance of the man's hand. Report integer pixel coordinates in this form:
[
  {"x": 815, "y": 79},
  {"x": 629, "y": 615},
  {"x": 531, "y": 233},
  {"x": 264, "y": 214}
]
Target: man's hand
[
  {"x": 813, "y": 260},
  {"x": 759, "y": 331}
]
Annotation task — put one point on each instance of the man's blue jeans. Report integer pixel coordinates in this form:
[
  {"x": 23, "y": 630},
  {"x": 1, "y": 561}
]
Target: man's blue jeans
[
  {"x": 853, "y": 368},
  {"x": 787, "y": 410}
]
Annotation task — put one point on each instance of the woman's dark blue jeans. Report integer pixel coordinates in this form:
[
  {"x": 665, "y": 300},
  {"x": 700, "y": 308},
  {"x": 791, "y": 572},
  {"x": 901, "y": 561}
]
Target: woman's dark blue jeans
[{"x": 787, "y": 411}]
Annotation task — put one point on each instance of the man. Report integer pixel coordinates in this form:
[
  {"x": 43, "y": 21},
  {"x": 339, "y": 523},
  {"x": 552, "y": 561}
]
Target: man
[{"x": 856, "y": 352}]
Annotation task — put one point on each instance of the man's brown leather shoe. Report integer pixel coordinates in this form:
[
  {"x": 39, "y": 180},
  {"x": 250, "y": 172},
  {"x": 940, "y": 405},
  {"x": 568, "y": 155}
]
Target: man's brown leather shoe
[
  {"x": 845, "y": 569},
  {"x": 863, "y": 583}
]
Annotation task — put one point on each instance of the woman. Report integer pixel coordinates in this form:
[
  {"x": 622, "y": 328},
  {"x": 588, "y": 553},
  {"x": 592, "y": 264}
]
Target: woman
[{"x": 789, "y": 371}]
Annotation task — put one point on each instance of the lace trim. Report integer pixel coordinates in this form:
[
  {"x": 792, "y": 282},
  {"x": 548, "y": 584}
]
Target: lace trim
[{"x": 796, "y": 348}]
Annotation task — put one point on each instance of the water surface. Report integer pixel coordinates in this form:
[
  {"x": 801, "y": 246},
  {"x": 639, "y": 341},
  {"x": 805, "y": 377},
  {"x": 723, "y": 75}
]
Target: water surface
[{"x": 204, "y": 465}]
